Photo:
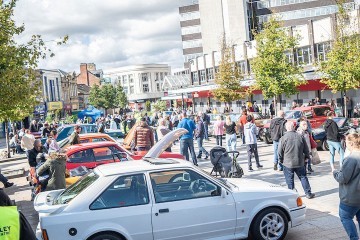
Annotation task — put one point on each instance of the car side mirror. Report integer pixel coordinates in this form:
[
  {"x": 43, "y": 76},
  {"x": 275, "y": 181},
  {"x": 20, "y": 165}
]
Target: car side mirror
[{"x": 223, "y": 192}]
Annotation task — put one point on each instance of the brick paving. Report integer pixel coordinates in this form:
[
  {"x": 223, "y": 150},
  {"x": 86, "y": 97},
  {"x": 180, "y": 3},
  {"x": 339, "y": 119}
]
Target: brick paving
[{"x": 322, "y": 221}]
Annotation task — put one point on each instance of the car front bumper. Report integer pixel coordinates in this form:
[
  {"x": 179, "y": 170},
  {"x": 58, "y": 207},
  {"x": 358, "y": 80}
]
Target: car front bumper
[{"x": 297, "y": 216}]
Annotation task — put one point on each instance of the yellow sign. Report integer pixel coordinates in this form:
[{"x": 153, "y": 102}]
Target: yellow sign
[{"x": 55, "y": 106}]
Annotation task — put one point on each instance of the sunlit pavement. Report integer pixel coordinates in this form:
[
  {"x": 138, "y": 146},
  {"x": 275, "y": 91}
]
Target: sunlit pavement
[{"x": 322, "y": 221}]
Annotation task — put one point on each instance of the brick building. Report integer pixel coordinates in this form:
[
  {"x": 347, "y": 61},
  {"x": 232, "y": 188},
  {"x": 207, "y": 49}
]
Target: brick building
[{"x": 89, "y": 75}]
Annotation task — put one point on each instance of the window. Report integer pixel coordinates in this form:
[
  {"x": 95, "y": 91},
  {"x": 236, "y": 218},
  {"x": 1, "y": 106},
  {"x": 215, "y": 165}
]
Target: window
[
  {"x": 158, "y": 87},
  {"x": 145, "y": 88},
  {"x": 103, "y": 153},
  {"x": 126, "y": 191},
  {"x": 89, "y": 129},
  {"x": 218, "y": 104},
  {"x": 321, "y": 51},
  {"x": 321, "y": 111},
  {"x": 238, "y": 103},
  {"x": 210, "y": 74},
  {"x": 156, "y": 76},
  {"x": 71, "y": 192},
  {"x": 180, "y": 185},
  {"x": 85, "y": 140},
  {"x": 192, "y": 43},
  {"x": 190, "y": 30},
  {"x": 82, "y": 156},
  {"x": 242, "y": 66},
  {"x": 126, "y": 90},
  {"x": 304, "y": 55},
  {"x": 58, "y": 89},
  {"x": 124, "y": 79},
  {"x": 289, "y": 57},
  {"x": 144, "y": 77},
  {"x": 217, "y": 70},
  {"x": 131, "y": 78},
  {"x": 202, "y": 76},
  {"x": 189, "y": 16},
  {"x": 195, "y": 77},
  {"x": 131, "y": 89},
  {"x": 161, "y": 76}
]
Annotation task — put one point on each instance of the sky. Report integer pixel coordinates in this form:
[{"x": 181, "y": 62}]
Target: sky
[{"x": 109, "y": 33}]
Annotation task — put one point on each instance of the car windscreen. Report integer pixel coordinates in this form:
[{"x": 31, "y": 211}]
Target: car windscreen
[
  {"x": 59, "y": 129},
  {"x": 71, "y": 192},
  {"x": 63, "y": 142},
  {"x": 292, "y": 114}
]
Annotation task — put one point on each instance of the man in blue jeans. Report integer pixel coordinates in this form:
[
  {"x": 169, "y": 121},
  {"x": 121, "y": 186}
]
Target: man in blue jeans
[
  {"x": 293, "y": 151},
  {"x": 348, "y": 178},
  {"x": 333, "y": 139},
  {"x": 277, "y": 131},
  {"x": 200, "y": 134},
  {"x": 187, "y": 140}
]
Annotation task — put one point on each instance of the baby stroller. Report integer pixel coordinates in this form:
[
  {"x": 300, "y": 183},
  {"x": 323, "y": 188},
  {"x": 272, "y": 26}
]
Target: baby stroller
[{"x": 224, "y": 164}]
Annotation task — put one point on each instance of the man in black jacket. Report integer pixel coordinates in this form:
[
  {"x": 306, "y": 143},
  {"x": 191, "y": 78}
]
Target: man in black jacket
[
  {"x": 333, "y": 139},
  {"x": 34, "y": 152},
  {"x": 293, "y": 153},
  {"x": 277, "y": 130}
]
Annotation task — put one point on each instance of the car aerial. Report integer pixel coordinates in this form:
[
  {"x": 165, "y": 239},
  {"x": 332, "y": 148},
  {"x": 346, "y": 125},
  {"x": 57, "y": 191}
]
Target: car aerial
[
  {"x": 344, "y": 125},
  {"x": 316, "y": 115},
  {"x": 166, "y": 199},
  {"x": 66, "y": 130},
  {"x": 93, "y": 154}
]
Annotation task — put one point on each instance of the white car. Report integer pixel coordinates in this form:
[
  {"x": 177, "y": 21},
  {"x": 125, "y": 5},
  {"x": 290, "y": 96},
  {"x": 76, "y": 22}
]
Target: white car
[{"x": 166, "y": 199}]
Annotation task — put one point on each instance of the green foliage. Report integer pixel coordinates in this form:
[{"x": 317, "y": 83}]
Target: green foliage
[
  {"x": 159, "y": 106},
  {"x": 341, "y": 70},
  {"x": 228, "y": 78},
  {"x": 121, "y": 98},
  {"x": 20, "y": 84},
  {"x": 103, "y": 97},
  {"x": 70, "y": 119},
  {"x": 148, "y": 106},
  {"x": 274, "y": 74}
]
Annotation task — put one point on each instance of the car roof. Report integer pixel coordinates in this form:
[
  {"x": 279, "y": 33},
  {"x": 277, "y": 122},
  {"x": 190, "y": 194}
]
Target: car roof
[
  {"x": 81, "y": 124},
  {"x": 310, "y": 107},
  {"x": 91, "y": 145},
  {"x": 148, "y": 164},
  {"x": 91, "y": 135}
]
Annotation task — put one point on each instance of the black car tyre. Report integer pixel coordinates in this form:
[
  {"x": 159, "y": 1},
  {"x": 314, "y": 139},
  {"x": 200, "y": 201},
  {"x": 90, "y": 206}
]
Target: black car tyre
[
  {"x": 107, "y": 236},
  {"x": 324, "y": 145},
  {"x": 270, "y": 223}
]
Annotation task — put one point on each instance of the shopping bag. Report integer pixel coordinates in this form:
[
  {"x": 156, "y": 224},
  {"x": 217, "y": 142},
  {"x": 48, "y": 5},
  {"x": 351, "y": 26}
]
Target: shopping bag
[{"x": 315, "y": 157}]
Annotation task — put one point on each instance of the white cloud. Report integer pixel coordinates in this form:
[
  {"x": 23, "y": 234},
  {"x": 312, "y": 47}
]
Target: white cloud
[{"x": 110, "y": 33}]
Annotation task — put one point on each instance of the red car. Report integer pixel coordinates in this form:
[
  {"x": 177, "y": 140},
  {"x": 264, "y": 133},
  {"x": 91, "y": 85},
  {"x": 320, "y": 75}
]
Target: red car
[
  {"x": 93, "y": 154},
  {"x": 316, "y": 115}
]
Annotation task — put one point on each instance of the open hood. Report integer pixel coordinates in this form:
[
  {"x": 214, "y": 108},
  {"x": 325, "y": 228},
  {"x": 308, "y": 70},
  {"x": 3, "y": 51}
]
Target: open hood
[{"x": 165, "y": 142}]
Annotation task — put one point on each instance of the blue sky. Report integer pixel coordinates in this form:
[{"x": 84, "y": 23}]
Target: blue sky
[{"x": 110, "y": 33}]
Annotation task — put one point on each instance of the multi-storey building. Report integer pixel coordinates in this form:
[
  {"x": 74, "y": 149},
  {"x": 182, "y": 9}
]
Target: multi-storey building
[
  {"x": 313, "y": 21},
  {"x": 140, "y": 82}
]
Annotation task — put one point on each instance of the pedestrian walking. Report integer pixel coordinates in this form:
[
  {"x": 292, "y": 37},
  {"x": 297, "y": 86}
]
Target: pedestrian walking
[
  {"x": 333, "y": 139},
  {"x": 143, "y": 136},
  {"x": 293, "y": 153},
  {"x": 219, "y": 130},
  {"x": 13, "y": 224},
  {"x": 251, "y": 142},
  {"x": 230, "y": 131},
  {"x": 162, "y": 130},
  {"x": 272, "y": 109},
  {"x": 187, "y": 140},
  {"x": 206, "y": 121},
  {"x": 242, "y": 122},
  {"x": 200, "y": 135},
  {"x": 56, "y": 167},
  {"x": 277, "y": 130},
  {"x": 348, "y": 178},
  {"x": 349, "y": 107},
  {"x": 310, "y": 143}
]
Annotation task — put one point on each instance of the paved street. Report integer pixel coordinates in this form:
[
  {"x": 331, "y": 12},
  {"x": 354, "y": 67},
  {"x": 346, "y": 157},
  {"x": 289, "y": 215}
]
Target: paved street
[{"x": 322, "y": 221}]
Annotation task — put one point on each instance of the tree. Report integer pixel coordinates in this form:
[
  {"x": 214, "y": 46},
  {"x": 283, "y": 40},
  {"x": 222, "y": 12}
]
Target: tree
[
  {"x": 159, "y": 105},
  {"x": 108, "y": 92},
  {"x": 20, "y": 83},
  {"x": 228, "y": 78},
  {"x": 95, "y": 96},
  {"x": 274, "y": 73},
  {"x": 341, "y": 70},
  {"x": 148, "y": 106},
  {"x": 121, "y": 98}
]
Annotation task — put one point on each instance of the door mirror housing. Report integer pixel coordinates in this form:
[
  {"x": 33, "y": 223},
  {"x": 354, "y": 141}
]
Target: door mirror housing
[{"x": 223, "y": 192}]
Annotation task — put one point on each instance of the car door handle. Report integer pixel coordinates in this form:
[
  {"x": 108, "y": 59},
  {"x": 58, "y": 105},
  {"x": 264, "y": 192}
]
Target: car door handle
[{"x": 164, "y": 210}]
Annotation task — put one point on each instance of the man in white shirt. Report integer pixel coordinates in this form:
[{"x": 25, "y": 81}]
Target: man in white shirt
[{"x": 27, "y": 141}]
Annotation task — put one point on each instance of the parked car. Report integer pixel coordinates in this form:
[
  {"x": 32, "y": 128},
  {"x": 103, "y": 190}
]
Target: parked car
[
  {"x": 315, "y": 114},
  {"x": 344, "y": 125},
  {"x": 67, "y": 130},
  {"x": 93, "y": 154},
  {"x": 88, "y": 137},
  {"x": 166, "y": 199}
]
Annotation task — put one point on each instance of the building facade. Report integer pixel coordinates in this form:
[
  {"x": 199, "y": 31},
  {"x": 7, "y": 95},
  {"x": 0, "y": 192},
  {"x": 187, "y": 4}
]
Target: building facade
[
  {"x": 140, "y": 82},
  {"x": 69, "y": 92},
  {"x": 312, "y": 21},
  {"x": 89, "y": 75}
]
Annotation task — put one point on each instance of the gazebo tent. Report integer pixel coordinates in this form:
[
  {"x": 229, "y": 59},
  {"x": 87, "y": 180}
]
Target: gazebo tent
[{"x": 90, "y": 112}]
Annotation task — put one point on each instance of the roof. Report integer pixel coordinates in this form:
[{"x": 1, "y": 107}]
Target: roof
[
  {"x": 89, "y": 145},
  {"x": 83, "y": 88},
  {"x": 141, "y": 165},
  {"x": 310, "y": 107},
  {"x": 176, "y": 81},
  {"x": 90, "y": 135}
]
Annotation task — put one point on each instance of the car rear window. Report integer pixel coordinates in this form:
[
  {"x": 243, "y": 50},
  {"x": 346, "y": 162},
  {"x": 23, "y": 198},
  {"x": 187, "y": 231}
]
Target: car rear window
[
  {"x": 71, "y": 192},
  {"x": 321, "y": 111}
]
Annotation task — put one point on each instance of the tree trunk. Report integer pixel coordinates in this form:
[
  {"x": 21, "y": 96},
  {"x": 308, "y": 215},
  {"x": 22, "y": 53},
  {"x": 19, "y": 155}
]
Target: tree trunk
[
  {"x": 345, "y": 102},
  {"x": 7, "y": 137},
  {"x": 275, "y": 105}
]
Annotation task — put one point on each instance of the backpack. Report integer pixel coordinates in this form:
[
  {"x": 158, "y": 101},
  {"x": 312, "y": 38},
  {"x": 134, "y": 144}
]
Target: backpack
[{"x": 277, "y": 130}]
